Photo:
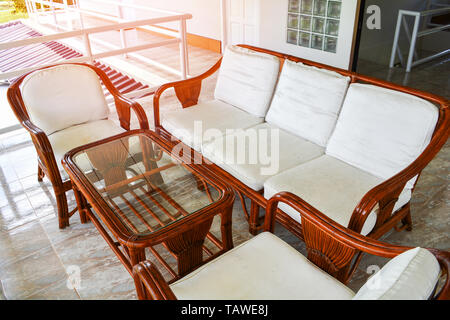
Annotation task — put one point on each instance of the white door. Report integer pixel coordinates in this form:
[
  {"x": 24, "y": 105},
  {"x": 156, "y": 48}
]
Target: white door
[{"x": 243, "y": 21}]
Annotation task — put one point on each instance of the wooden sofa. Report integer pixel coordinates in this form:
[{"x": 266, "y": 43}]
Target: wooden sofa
[
  {"x": 351, "y": 146},
  {"x": 266, "y": 267}
]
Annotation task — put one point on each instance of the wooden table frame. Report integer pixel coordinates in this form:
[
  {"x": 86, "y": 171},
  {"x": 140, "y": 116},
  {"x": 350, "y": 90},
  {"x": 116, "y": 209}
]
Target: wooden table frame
[{"x": 183, "y": 238}]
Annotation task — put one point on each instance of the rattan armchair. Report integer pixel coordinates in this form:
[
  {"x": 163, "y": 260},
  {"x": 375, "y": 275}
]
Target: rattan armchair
[
  {"x": 63, "y": 106},
  {"x": 265, "y": 267}
]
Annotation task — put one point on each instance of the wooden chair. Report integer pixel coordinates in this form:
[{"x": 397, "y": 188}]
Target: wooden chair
[
  {"x": 266, "y": 267},
  {"x": 62, "y": 107}
]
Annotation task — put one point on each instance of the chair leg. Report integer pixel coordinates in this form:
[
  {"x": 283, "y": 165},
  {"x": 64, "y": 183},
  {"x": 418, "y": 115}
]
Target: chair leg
[
  {"x": 254, "y": 218},
  {"x": 40, "y": 174},
  {"x": 63, "y": 210},
  {"x": 407, "y": 220}
]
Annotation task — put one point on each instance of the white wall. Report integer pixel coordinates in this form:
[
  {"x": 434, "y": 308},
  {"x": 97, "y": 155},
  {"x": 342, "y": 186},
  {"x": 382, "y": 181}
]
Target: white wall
[
  {"x": 273, "y": 27},
  {"x": 205, "y": 21}
]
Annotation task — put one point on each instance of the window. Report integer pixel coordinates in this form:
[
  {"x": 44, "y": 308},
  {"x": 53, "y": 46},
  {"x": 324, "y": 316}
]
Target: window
[{"x": 314, "y": 24}]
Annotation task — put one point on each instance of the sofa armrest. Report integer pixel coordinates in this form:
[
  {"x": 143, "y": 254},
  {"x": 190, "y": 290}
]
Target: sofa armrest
[
  {"x": 123, "y": 104},
  {"x": 150, "y": 284},
  {"x": 386, "y": 193},
  {"x": 187, "y": 91},
  {"x": 332, "y": 246}
]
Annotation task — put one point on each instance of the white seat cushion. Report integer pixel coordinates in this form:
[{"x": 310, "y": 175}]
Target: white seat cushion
[
  {"x": 382, "y": 131},
  {"x": 412, "y": 275},
  {"x": 65, "y": 140},
  {"x": 307, "y": 101},
  {"x": 332, "y": 186},
  {"x": 205, "y": 121},
  {"x": 63, "y": 96},
  {"x": 257, "y": 153},
  {"x": 265, "y": 267},
  {"x": 247, "y": 79}
]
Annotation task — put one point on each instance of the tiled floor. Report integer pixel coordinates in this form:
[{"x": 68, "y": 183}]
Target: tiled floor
[{"x": 39, "y": 261}]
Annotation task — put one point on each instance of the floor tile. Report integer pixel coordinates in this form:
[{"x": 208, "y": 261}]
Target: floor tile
[
  {"x": 21, "y": 242},
  {"x": 59, "y": 291},
  {"x": 33, "y": 273}
]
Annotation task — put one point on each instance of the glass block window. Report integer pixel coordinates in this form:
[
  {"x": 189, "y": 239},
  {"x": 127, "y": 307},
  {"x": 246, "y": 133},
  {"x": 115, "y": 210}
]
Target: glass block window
[{"x": 314, "y": 24}]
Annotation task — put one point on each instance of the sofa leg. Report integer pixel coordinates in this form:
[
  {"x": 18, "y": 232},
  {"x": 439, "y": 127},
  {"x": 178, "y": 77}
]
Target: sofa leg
[
  {"x": 407, "y": 220},
  {"x": 254, "y": 218},
  {"x": 40, "y": 174}
]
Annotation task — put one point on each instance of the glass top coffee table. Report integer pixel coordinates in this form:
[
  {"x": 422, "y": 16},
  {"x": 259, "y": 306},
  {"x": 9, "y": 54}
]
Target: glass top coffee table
[{"x": 144, "y": 195}]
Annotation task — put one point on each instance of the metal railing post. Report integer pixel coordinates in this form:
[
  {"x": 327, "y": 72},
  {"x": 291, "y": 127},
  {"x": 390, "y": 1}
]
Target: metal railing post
[
  {"x": 27, "y": 4},
  {"x": 69, "y": 18},
  {"x": 123, "y": 39},
  {"x": 87, "y": 47},
  {"x": 396, "y": 37},
  {"x": 55, "y": 20},
  {"x": 183, "y": 49},
  {"x": 413, "y": 42},
  {"x": 35, "y": 12},
  {"x": 80, "y": 15}
]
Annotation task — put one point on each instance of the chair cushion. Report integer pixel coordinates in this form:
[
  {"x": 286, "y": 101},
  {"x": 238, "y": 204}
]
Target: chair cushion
[
  {"x": 331, "y": 186},
  {"x": 65, "y": 140},
  {"x": 382, "y": 131},
  {"x": 307, "y": 101},
  {"x": 247, "y": 79},
  {"x": 205, "y": 121},
  {"x": 62, "y": 96},
  {"x": 412, "y": 275},
  {"x": 249, "y": 157},
  {"x": 265, "y": 267}
]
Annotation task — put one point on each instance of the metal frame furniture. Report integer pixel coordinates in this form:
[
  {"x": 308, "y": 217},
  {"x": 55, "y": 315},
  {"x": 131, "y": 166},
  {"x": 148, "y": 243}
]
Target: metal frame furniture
[
  {"x": 330, "y": 247},
  {"x": 47, "y": 165},
  {"x": 412, "y": 38},
  {"x": 385, "y": 194},
  {"x": 134, "y": 203}
]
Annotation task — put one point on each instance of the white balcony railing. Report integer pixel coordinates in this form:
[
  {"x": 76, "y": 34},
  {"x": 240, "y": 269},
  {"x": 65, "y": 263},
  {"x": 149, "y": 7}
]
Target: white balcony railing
[{"x": 57, "y": 10}]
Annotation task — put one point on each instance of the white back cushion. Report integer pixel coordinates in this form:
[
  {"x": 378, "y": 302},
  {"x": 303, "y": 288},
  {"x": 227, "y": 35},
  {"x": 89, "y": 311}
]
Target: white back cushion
[
  {"x": 382, "y": 131},
  {"x": 62, "y": 96},
  {"x": 307, "y": 101},
  {"x": 247, "y": 79},
  {"x": 411, "y": 275}
]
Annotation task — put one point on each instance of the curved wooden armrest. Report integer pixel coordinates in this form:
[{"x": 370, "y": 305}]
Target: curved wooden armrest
[
  {"x": 332, "y": 235},
  {"x": 329, "y": 227},
  {"x": 187, "y": 91},
  {"x": 38, "y": 136},
  {"x": 149, "y": 281},
  {"x": 387, "y": 192},
  {"x": 123, "y": 104},
  {"x": 44, "y": 150}
]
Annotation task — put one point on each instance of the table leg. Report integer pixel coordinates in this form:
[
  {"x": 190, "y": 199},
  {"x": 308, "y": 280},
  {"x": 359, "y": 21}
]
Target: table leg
[
  {"x": 188, "y": 247},
  {"x": 136, "y": 255},
  {"x": 225, "y": 229},
  {"x": 81, "y": 204}
]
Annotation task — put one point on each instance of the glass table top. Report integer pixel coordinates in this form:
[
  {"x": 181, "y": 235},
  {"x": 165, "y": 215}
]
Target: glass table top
[{"x": 144, "y": 186}]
